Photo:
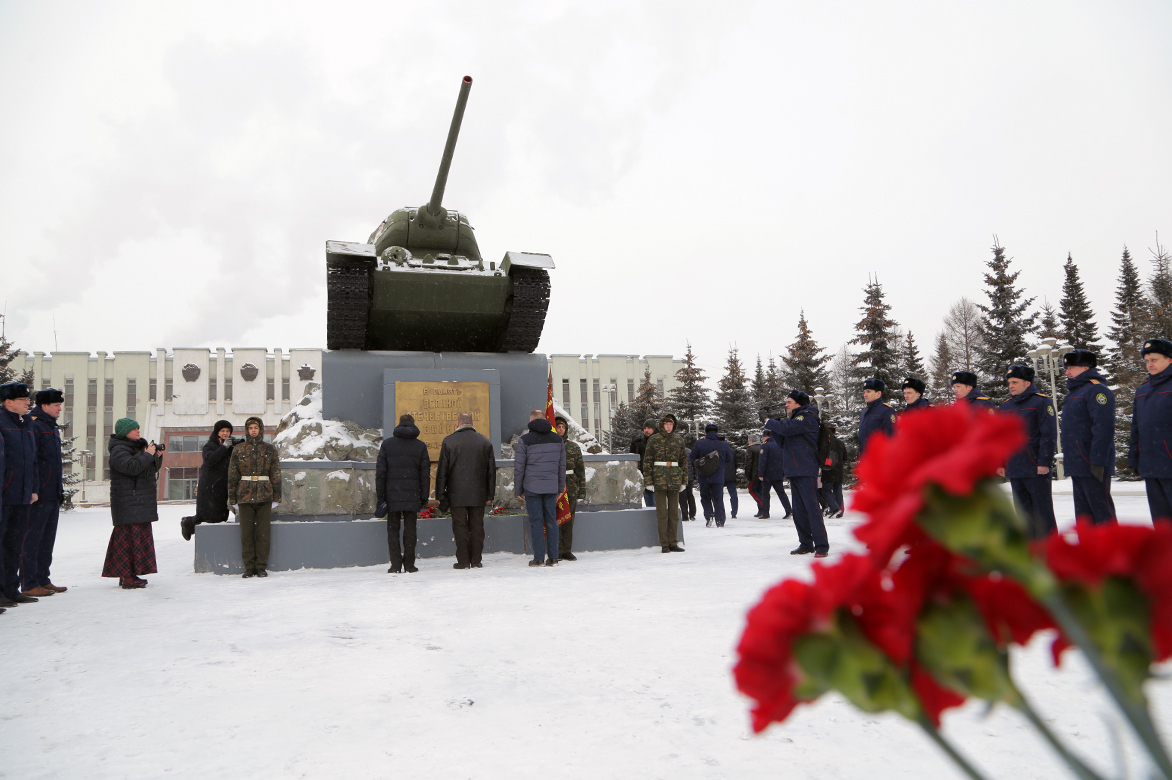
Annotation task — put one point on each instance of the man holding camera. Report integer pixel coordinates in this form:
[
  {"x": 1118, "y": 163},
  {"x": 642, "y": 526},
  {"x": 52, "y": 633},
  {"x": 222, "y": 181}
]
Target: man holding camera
[
  {"x": 254, "y": 488},
  {"x": 799, "y": 443}
]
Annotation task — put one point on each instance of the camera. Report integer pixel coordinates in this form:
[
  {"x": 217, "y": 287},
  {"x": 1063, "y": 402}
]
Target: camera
[
  {"x": 765, "y": 412},
  {"x": 159, "y": 447},
  {"x": 234, "y": 440}
]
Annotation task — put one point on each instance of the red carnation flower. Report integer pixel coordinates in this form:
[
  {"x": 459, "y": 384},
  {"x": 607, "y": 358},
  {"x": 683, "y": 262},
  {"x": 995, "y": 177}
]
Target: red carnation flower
[
  {"x": 950, "y": 446},
  {"x": 933, "y": 696},
  {"x": 1141, "y": 553},
  {"x": 766, "y": 671}
]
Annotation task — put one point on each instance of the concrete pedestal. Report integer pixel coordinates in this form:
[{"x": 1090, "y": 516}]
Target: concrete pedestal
[{"x": 332, "y": 541}]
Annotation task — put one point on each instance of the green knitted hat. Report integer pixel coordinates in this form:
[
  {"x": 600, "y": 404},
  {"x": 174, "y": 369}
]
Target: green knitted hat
[{"x": 124, "y": 426}]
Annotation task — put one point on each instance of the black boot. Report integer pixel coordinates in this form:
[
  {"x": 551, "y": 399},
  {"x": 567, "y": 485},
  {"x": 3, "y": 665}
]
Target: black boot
[
  {"x": 675, "y": 548},
  {"x": 187, "y": 527},
  {"x": 248, "y": 573},
  {"x": 665, "y": 549},
  {"x": 801, "y": 550},
  {"x": 262, "y": 573},
  {"x": 821, "y": 552}
]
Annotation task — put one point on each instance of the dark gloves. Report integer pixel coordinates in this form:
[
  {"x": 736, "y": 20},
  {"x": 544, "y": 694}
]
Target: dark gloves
[
  {"x": 443, "y": 506},
  {"x": 1097, "y": 472}
]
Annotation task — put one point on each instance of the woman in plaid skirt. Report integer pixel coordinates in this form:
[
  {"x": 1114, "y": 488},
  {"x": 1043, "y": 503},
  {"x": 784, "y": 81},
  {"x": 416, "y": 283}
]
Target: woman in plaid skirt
[{"x": 134, "y": 465}]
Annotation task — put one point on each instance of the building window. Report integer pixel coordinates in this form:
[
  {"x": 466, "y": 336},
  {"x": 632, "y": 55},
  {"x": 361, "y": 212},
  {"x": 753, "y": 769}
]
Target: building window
[
  {"x": 566, "y": 394},
  {"x": 269, "y": 379},
  {"x": 67, "y": 411},
  {"x": 182, "y": 482},
  {"x": 228, "y": 379},
  {"x": 213, "y": 369},
  {"x": 659, "y": 384},
  {"x": 91, "y": 413},
  {"x": 585, "y": 398},
  {"x": 285, "y": 379},
  {"x": 168, "y": 382},
  {"x": 131, "y": 396},
  {"x": 630, "y": 391},
  {"x": 153, "y": 383},
  {"x": 185, "y": 442},
  {"x": 597, "y": 403},
  {"x": 108, "y": 406}
]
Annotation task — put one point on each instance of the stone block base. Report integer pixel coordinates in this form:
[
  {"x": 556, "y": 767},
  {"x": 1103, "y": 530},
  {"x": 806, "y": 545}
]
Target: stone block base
[{"x": 329, "y": 542}]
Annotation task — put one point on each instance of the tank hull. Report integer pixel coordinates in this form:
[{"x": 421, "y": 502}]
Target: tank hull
[{"x": 434, "y": 312}]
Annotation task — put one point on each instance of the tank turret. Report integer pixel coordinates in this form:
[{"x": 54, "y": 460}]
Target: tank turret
[{"x": 420, "y": 284}]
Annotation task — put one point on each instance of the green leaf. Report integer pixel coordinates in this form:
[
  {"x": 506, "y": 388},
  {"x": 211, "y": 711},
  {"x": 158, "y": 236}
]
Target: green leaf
[
  {"x": 954, "y": 646},
  {"x": 1115, "y": 615}
]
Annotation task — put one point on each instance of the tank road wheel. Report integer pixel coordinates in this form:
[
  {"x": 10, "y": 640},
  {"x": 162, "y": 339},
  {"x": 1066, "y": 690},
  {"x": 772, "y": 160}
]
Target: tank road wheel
[
  {"x": 348, "y": 296},
  {"x": 530, "y": 301}
]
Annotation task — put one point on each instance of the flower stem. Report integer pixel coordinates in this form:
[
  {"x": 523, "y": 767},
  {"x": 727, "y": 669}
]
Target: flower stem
[
  {"x": 1135, "y": 712},
  {"x": 957, "y": 758},
  {"x": 1080, "y": 769}
]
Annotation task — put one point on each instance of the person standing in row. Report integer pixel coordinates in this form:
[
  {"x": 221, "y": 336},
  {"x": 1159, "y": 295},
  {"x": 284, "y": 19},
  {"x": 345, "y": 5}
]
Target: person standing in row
[
  {"x": 575, "y": 488},
  {"x": 254, "y": 488},
  {"x": 1088, "y": 436},
  {"x": 465, "y": 480},
  {"x": 539, "y": 477},
  {"x": 771, "y": 471},
  {"x": 402, "y": 482},
  {"x": 18, "y": 488},
  {"x": 913, "y": 394},
  {"x": 687, "y": 496},
  {"x": 711, "y": 484},
  {"x": 667, "y": 471},
  {"x": 1151, "y": 428},
  {"x": 877, "y": 416},
  {"x": 799, "y": 435},
  {"x": 37, "y": 556},
  {"x": 638, "y": 445},
  {"x": 832, "y": 459},
  {"x": 1028, "y": 469},
  {"x": 753, "y": 471},
  {"x": 730, "y": 476},
  {"x": 134, "y": 467},
  {"x": 211, "y": 500},
  {"x": 966, "y": 388}
]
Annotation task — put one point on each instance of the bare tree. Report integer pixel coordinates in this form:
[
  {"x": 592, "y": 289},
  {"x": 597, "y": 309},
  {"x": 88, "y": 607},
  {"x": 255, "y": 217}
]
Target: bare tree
[
  {"x": 843, "y": 383},
  {"x": 962, "y": 329}
]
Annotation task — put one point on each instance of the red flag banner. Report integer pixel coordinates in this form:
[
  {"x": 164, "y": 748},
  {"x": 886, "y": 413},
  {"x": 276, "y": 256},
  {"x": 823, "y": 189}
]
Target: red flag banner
[{"x": 563, "y": 499}]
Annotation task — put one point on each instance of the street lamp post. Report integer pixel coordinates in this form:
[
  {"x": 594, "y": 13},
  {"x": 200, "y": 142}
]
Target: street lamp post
[
  {"x": 820, "y": 399},
  {"x": 1047, "y": 357},
  {"x": 85, "y": 461}
]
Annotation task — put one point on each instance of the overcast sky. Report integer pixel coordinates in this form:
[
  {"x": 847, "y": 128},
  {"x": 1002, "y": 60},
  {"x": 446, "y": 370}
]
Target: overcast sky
[{"x": 170, "y": 172}]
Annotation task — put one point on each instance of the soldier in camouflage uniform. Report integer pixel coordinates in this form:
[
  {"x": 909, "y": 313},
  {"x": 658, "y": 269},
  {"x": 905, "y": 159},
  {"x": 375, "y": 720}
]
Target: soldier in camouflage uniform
[
  {"x": 575, "y": 487},
  {"x": 254, "y": 488},
  {"x": 665, "y": 468}
]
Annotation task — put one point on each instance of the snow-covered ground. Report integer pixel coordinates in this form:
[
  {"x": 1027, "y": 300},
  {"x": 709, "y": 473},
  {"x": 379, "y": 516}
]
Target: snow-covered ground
[{"x": 616, "y": 666}]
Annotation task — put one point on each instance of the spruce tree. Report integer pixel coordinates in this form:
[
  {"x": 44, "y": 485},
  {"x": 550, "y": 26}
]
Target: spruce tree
[
  {"x": 775, "y": 389},
  {"x": 913, "y": 364},
  {"x": 804, "y": 362},
  {"x": 1129, "y": 328},
  {"x": 649, "y": 401},
  {"x": 689, "y": 399},
  {"x": 1160, "y": 284},
  {"x": 1006, "y": 324},
  {"x": 1074, "y": 312},
  {"x": 733, "y": 407},
  {"x": 760, "y": 387},
  {"x": 880, "y": 355},
  {"x": 8, "y": 353},
  {"x": 1048, "y": 326},
  {"x": 940, "y": 381},
  {"x": 69, "y": 476}
]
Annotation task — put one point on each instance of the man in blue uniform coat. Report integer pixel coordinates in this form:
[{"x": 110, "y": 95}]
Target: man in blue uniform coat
[
  {"x": 799, "y": 444},
  {"x": 966, "y": 388},
  {"x": 1088, "y": 436},
  {"x": 19, "y": 487},
  {"x": 913, "y": 394},
  {"x": 712, "y": 485},
  {"x": 877, "y": 415},
  {"x": 37, "y": 555},
  {"x": 771, "y": 469},
  {"x": 1028, "y": 469},
  {"x": 1151, "y": 428}
]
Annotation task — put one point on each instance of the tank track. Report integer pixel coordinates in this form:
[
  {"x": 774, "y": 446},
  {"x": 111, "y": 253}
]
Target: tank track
[
  {"x": 348, "y": 296},
  {"x": 530, "y": 303}
]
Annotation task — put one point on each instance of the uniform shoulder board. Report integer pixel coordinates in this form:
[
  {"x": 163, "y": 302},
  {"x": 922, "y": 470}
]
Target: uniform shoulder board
[
  {"x": 1096, "y": 382},
  {"x": 1041, "y": 395},
  {"x": 887, "y": 404},
  {"x": 982, "y": 398}
]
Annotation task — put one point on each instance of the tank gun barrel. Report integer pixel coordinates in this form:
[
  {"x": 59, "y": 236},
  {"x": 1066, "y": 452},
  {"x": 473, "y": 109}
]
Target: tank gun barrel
[{"x": 434, "y": 206}]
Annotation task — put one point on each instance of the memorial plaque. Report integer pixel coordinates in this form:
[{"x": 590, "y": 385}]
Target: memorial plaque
[{"x": 437, "y": 405}]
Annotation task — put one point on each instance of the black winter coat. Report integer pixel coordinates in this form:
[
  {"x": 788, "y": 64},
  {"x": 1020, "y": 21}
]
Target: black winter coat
[
  {"x": 835, "y": 472},
  {"x": 19, "y": 464},
  {"x": 466, "y": 474},
  {"x": 402, "y": 480},
  {"x": 211, "y": 502},
  {"x": 132, "y": 482},
  {"x": 50, "y": 487}
]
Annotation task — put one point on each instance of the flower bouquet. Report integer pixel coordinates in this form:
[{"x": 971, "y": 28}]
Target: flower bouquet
[{"x": 925, "y": 620}]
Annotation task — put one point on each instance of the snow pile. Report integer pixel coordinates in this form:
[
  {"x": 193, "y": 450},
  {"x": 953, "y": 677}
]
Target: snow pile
[
  {"x": 577, "y": 433},
  {"x": 302, "y": 434}
]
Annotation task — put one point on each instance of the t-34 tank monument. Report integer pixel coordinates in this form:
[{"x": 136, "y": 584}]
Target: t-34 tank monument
[{"x": 418, "y": 323}]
